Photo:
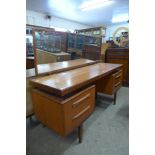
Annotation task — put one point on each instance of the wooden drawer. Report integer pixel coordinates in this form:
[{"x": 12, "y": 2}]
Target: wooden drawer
[
  {"x": 117, "y": 53},
  {"x": 81, "y": 102},
  {"x": 82, "y": 106},
  {"x": 118, "y": 78},
  {"x": 116, "y": 57},
  {"x": 78, "y": 107},
  {"x": 81, "y": 116}
]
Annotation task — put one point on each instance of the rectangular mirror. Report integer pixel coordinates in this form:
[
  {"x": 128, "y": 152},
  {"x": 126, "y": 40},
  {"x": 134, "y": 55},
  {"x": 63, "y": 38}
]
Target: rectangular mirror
[{"x": 50, "y": 46}]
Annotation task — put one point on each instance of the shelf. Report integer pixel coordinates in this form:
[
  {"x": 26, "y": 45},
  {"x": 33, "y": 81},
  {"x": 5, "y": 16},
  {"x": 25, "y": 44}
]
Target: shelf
[{"x": 96, "y": 31}]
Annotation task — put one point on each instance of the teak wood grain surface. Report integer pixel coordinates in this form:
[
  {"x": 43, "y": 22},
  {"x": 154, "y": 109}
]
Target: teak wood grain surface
[
  {"x": 50, "y": 68},
  {"x": 65, "y": 82}
]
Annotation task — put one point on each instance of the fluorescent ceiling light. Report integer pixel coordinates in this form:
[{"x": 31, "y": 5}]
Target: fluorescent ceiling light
[
  {"x": 93, "y": 4},
  {"x": 120, "y": 18},
  {"x": 59, "y": 29}
]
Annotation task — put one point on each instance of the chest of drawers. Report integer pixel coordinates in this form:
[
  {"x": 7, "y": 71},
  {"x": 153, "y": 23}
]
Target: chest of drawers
[{"x": 119, "y": 56}]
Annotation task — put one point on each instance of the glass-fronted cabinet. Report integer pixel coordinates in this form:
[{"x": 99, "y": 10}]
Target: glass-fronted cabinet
[{"x": 54, "y": 42}]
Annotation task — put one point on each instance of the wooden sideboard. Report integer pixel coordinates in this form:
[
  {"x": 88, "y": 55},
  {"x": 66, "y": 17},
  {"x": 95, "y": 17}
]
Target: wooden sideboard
[
  {"x": 63, "y": 105},
  {"x": 119, "y": 56}
]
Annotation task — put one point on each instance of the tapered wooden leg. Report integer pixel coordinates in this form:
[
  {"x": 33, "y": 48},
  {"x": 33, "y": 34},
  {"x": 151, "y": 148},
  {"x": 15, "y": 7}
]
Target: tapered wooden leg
[
  {"x": 80, "y": 133},
  {"x": 115, "y": 98},
  {"x": 96, "y": 95}
]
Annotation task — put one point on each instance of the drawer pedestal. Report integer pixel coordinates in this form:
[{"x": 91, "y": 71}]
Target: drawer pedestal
[{"x": 63, "y": 115}]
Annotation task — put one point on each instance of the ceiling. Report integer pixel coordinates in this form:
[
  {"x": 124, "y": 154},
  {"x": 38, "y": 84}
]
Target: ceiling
[{"x": 70, "y": 10}]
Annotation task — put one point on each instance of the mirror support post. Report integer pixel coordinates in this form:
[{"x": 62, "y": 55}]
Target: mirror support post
[{"x": 35, "y": 52}]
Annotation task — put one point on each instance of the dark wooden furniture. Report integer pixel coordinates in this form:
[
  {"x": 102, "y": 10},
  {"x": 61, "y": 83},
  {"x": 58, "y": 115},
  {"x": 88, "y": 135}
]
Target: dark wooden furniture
[
  {"x": 29, "y": 34},
  {"x": 29, "y": 62},
  {"x": 119, "y": 56},
  {"x": 76, "y": 43},
  {"x": 92, "y": 52},
  {"x": 64, "y": 105}
]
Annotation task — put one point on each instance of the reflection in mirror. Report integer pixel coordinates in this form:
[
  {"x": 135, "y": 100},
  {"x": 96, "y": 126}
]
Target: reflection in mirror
[
  {"x": 29, "y": 49},
  {"x": 49, "y": 47}
]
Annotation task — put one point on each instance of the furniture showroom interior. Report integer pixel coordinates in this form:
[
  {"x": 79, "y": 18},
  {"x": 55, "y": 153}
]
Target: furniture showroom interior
[{"x": 77, "y": 77}]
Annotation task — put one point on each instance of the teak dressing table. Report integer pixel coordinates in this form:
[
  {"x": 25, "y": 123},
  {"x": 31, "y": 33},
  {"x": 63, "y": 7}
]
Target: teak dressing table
[
  {"x": 48, "y": 69},
  {"x": 63, "y": 101}
]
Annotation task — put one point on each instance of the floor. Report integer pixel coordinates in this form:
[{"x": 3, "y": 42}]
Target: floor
[{"x": 105, "y": 132}]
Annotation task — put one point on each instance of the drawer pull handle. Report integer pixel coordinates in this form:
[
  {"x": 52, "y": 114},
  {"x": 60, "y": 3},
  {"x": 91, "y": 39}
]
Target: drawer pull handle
[
  {"x": 119, "y": 83},
  {"x": 80, "y": 100},
  {"x": 118, "y": 76},
  {"x": 119, "y": 72},
  {"x": 83, "y": 111}
]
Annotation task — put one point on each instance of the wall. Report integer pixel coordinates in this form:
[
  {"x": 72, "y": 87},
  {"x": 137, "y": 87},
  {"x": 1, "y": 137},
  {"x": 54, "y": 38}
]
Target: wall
[
  {"x": 35, "y": 18},
  {"x": 111, "y": 29}
]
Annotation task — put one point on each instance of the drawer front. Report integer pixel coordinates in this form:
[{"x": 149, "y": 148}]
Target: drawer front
[
  {"x": 110, "y": 58},
  {"x": 81, "y": 103},
  {"x": 82, "y": 115},
  {"x": 117, "y": 53},
  {"x": 118, "y": 77},
  {"x": 117, "y": 80},
  {"x": 81, "y": 106}
]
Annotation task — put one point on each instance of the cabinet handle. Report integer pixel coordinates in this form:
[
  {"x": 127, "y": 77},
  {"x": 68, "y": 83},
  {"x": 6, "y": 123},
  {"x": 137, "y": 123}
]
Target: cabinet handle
[
  {"x": 79, "y": 114},
  {"x": 80, "y": 100},
  {"x": 119, "y": 83}
]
